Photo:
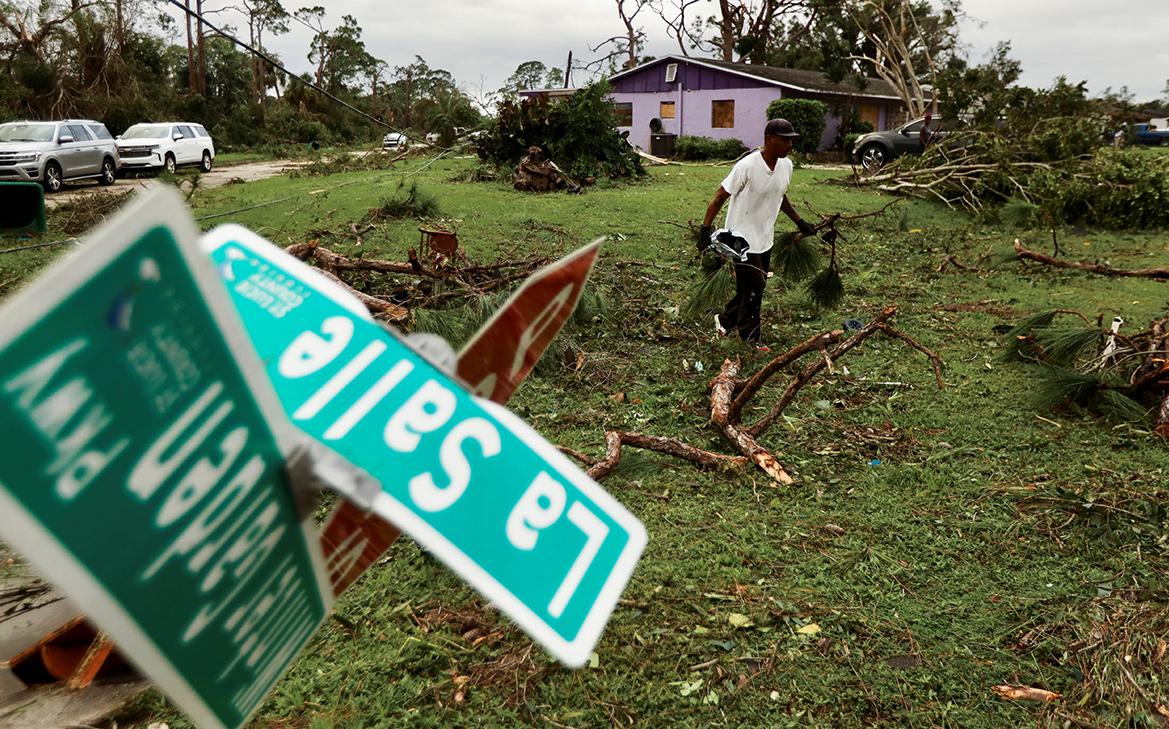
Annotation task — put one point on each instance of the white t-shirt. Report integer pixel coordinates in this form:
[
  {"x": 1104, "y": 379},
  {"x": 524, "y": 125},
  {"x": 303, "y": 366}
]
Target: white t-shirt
[{"x": 756, "y": 194}]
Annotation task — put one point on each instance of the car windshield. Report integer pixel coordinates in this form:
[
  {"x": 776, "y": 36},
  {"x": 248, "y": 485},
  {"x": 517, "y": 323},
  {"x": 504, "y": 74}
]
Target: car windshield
[
  {"x": 27, "y": 132},
  {"x": 146, "y": 131}
]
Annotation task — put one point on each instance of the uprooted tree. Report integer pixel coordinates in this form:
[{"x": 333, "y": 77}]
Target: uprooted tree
[{"x": 731, "y": 393}]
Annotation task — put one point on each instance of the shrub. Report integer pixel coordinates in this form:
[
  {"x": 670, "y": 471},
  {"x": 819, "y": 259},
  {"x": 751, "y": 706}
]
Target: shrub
[
  {"x": 578, "y": 133},
  {"x": 1116, "y": 189},
  {"x": 700, "y": 148},
  {"x": 806, "y": 115}
]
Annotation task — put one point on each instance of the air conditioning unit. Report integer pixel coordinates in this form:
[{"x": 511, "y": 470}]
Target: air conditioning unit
[{"x": 671, "y": 72}]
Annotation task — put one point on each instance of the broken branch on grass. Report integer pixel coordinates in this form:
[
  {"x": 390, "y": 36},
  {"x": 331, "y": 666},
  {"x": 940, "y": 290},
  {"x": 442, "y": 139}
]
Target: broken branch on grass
[
  {"x": 1025, "y": 253},
  {"x": 729, "y": 395},
  {"x": 380, "y": 308},
  {"x": 616, "y": 440}
]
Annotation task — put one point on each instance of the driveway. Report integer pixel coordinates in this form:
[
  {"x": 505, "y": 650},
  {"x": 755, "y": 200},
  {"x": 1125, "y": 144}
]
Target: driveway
[{"x": 247, "y": 172}]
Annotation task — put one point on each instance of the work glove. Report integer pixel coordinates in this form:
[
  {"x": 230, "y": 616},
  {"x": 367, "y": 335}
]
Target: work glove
[
  {"x": 805, "y": 227},
  {"x": 704, "y": 238}
]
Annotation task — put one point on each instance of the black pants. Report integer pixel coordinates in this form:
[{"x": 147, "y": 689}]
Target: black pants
[{"x": 742, "y": 312}]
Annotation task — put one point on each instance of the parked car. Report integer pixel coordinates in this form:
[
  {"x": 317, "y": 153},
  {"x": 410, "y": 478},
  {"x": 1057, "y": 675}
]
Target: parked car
[
  {"x": 166, "y": 146},
  {"x": 1148, "y": 134},
  {"x": 395, "y": 140},
  {"x": 54, "y": 152},
  {"x": 876, "y": 149}
]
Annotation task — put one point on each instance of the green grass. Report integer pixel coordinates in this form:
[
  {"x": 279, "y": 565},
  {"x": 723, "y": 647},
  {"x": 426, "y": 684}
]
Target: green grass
[{"x": 980, "y": 544}]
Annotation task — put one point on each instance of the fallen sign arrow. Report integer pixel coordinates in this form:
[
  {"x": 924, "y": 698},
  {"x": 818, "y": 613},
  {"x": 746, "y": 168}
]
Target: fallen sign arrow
[
  {"x": 142, "y": 468},
  {"x": 466, "y": 478},
  {"x": 498, "y": 358}
]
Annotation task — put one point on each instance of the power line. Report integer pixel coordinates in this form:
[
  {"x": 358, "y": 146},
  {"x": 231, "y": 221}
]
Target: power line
[{"x": 280, "y": 66}]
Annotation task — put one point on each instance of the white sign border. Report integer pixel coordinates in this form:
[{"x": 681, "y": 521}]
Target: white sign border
[
  {"x": 159, "y": 207},
  {"x": 572, "y": 653}
]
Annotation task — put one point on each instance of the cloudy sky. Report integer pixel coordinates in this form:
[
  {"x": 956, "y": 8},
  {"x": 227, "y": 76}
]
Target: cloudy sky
[{"x": 482, "y": 41}]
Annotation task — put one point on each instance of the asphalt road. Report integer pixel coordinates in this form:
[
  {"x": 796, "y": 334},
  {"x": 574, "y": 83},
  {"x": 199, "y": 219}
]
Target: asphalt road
[{"x": 248, "y": 172}]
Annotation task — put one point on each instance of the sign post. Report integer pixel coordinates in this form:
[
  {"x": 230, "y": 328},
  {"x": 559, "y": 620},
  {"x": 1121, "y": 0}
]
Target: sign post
[
  {"x": 471, "y": 482},
  {"x": 140, "y": 472}
]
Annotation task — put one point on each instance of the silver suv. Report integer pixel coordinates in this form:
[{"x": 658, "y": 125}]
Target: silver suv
[{"x": 53, "y": 152}]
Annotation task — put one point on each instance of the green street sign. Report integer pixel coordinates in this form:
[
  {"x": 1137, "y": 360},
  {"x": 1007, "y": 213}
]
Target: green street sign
[
  {"x": 139, "y": 472},
  {"x": 466, "y": 478}
]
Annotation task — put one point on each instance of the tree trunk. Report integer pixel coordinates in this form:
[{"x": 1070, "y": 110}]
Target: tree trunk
[
  {"x": 201, "y": 56},
  {"x": 192, "y": 77}
]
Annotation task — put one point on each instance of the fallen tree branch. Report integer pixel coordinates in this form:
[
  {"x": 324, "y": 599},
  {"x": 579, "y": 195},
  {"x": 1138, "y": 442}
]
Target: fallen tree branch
[
  {"x": 380, "y": 308},
  {"x": 1025, "y": 253},
  {"x": 721, "y": 390},
  {"x": 615, "y": 440},
  {"x": 729, "y": 395}
]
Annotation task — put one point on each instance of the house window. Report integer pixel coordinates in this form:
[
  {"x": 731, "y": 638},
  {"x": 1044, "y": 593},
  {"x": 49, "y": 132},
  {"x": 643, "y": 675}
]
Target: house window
[
  {"x": 722, "y": 114},
  {"x": 671, "y": 72},
  {"x": 666, "y": 110},
  {"x": 623, "y": 110}
]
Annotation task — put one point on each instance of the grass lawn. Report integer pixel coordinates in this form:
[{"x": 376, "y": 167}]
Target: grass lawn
[{"x": 936, "y": 544}]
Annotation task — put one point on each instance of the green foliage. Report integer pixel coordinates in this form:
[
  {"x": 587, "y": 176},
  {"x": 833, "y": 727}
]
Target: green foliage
[
  {"x": 806, "y": 115},
  {"x": 1123, "y": 188},
  {"x": 826, "y": 290},
  {"x": 694, "y": 148},
  {"x": 407, "y": 202},
  {"x": 796, "y": 257},
  {"x": 709, "y": 294},
  {"x": 578, "y": 133}
]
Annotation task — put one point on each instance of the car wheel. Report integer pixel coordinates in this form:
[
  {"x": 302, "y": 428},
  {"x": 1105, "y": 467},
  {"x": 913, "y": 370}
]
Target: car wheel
[
  {"x": 53, "y": 180},
  {"x": 206, "y": 165},
  {"x": 109, "y": 172},
  {"x": 873, "y": 157},
  {"x": 169, "y": 164}
]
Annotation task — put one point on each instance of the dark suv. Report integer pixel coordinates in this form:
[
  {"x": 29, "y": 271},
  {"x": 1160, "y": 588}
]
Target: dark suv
[{"x": 873, "y": 150}]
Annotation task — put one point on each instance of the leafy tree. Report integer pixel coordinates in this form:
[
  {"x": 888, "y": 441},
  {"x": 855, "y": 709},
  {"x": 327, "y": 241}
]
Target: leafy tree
[
  {"x": 339, "y": 54},
  {"x": 263, "y": 16},
  {"x": 579, "y": 133},
  {"x": 448, "y": 110},
  {"x": 806, "y": 115},
  {"x": 413, "y": 86},
  {"x": 979, "y": 93}
]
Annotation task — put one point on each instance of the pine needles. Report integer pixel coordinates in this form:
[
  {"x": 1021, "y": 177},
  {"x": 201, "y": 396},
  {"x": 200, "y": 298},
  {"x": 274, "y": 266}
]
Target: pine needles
[
  {"x": 711, "y": 293},
  {"x": 1073, "y": 370},
  {"x": 796, "y": 257},
  {"x": 826, "y": 290}
]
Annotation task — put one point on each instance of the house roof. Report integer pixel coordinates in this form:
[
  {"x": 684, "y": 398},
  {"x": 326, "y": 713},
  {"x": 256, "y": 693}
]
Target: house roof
[{"x": 799, "y": 79}]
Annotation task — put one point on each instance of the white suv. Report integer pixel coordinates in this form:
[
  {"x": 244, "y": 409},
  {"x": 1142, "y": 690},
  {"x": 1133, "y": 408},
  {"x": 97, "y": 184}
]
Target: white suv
[{"x": 166, "y": 146}]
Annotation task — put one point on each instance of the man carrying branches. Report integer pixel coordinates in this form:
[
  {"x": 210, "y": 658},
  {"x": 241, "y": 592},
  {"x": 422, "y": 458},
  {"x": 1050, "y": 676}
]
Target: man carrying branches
[{"x": 757, "y": 188}]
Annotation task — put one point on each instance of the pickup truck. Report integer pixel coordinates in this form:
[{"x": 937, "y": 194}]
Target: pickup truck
[{"x": 1148, "y": 134}]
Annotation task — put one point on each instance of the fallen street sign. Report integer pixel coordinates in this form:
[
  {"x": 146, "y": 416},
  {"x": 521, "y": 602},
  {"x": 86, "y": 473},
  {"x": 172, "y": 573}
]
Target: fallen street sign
[
  {"x": 499, "y": 357},
  {"x": 506, "y": 349},
  {"x": 466, "y": 478},
  {"x": 139, "y": 472}
]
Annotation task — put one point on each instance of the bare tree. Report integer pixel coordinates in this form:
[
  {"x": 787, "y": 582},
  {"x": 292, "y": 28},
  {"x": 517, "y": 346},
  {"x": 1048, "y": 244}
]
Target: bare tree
[
  {"x": 673, "y": 14},
  {"x": 905, "y": 40},
  {"x": 745, "y": 29},
  {"x": 628, "y": 43}
]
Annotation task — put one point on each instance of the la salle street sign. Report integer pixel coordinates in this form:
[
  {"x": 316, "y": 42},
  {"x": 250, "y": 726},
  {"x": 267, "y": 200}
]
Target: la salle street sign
[
  {"x": 466, "y": 478},
  {"x": 139, "y": 472}
]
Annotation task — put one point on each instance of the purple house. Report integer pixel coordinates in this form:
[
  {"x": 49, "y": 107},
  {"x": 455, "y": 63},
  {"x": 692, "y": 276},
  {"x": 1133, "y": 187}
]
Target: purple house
[{"x": 720, "y": 99}]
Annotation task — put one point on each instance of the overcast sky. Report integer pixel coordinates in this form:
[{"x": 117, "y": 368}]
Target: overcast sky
[{"x": 482, "y": 41}]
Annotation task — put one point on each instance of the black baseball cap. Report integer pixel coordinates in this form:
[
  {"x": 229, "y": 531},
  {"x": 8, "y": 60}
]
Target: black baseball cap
[{"x": 780, "y": 128}]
